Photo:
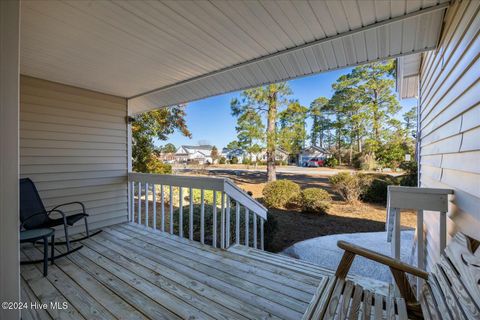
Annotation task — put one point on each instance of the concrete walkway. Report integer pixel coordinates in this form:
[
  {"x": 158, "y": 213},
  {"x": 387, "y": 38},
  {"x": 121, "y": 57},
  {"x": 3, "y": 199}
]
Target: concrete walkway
[{"x": 323, "y": 251}]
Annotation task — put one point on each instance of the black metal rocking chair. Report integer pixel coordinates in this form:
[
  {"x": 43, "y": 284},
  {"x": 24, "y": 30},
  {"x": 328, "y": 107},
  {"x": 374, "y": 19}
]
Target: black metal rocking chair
[{"x": 33, "y": 214}]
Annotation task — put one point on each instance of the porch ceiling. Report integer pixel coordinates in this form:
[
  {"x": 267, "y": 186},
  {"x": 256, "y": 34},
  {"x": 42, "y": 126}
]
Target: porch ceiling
[{"x": 166, "y": 52}]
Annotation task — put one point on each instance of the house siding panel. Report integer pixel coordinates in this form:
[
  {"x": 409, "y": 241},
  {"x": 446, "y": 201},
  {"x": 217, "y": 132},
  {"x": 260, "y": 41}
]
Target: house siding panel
[
  {"x": 450, "y": 123},
  {"x": 73, "y": 145}
]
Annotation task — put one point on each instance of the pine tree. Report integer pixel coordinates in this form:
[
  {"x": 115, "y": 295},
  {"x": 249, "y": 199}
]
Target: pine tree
[{"x": 269, "y": 100}]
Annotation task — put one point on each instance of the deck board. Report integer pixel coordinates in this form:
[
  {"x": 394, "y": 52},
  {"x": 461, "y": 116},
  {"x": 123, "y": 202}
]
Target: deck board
[{"x": 132, "y": 272}]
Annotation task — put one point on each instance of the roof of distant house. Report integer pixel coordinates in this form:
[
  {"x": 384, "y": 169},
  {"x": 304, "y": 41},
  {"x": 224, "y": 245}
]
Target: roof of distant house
[
  {"x": 315, "y": 148},
  {"x": 203, "y": 146}
]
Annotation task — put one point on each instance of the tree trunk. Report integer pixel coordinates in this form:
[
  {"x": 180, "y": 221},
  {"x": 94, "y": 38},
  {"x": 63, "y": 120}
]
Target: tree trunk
[{"x": 271, "y": 123}]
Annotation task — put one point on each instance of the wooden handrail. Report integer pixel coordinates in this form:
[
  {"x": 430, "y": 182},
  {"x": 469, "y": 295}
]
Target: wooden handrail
[{"x": 383, "y": 259}]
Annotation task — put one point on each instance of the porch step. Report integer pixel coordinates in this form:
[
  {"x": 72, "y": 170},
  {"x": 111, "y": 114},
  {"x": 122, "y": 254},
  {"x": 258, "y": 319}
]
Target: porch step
[{"x": 307, "y": 268}]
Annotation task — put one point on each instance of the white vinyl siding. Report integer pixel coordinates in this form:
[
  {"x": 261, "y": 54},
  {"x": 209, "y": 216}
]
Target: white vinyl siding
[
  {"x": 450, "y": 122},
  {"x": 73, "y": 145}
]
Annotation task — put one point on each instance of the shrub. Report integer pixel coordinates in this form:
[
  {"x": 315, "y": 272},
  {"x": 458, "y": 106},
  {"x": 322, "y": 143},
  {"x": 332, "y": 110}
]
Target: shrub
[
  {"x": 314, "y": 200},
  {"x": 349, "y": 186},
  {"x": 246, "y": 161},
  {"x": 331, "y": 162},
  {"x": 376, "y": 187},
  {"x": 234, "y": 160},
  {"x": 154, "y": 165},
  {"x": 365, "y": 162},
  {"x": 222, "y": 160},
  {"x": 280, "y": 193},
  {"x": 409, "y": 179}
]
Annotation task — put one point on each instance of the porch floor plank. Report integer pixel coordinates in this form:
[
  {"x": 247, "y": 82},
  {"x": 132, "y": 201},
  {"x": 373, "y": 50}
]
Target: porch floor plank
[{"x": 133, "y": 272}]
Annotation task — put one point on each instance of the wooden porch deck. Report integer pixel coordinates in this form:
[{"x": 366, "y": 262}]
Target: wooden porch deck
[{"x": 130, "y": 272}]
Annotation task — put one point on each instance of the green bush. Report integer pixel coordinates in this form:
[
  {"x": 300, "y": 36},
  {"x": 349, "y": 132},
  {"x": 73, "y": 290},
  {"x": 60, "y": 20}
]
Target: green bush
[
  {"x": 234, "y": 160},
  {"x": 222, "y": 160},
  {"x": 246, "y": 161},
  {"x": 331, "y": 162},
  {"x": 349, "y": 186},
  {"x": 280, "y": 193},
  {"x": 314, "y": 200},
  {"x": 376, "y": 187},
  {"x": 154, "y": 165}
]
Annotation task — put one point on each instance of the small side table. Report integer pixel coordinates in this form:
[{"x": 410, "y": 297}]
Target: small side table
[{"x": 33, "y": 235}]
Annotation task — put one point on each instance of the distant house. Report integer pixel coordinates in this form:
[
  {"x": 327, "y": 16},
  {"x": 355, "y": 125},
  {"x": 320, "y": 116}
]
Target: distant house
[
  {"x": 280, "y": 155},
  {"x": 200, "y": 154},
  {"x": 310, "y": 153},
  {"x": 229, "y": 154},
  {"x": 167, "y": 157}
]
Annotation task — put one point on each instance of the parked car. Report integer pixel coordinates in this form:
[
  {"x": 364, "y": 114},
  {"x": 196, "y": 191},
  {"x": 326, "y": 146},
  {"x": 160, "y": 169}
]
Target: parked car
[{"x": 315, "y": 162}]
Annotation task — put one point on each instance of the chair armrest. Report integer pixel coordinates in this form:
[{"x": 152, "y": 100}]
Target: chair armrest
[
  {"x": 383, "y": 259},
  {"x": 67, "y": 204}
]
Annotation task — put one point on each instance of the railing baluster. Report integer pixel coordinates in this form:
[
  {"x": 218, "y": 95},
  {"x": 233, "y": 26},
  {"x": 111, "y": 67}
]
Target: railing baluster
[
  {"x": 222, "y": 223},
  {"x": 139, "y": 202},
  {"x": 221, "y": 236},
  {"x": 227, "y": 224},
  {"x": 247, "y": 221},
  {"x": 255, "y": 242},
  {"x": 146, "y": 203},
  {"x": 202, "y": 216},
  {"x": 214, "y": 212},
  {"x": 132, "y": 202},
  {"x": 171, "y": 209},
  {"x": 154, "y": 198},
  {"x": 190, "y": 215},
  {"x": 162, "y": 208},
  {"x": 261, "y": 234},
  {"x": 237, "y": 222},
  {"x": 180, "y": 212}
]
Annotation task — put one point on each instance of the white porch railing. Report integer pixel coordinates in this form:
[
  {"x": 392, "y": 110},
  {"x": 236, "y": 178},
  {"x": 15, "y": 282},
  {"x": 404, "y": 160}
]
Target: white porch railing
[
  {"x": 199, "y": 208},
  {"x": 419, "y": 199}
]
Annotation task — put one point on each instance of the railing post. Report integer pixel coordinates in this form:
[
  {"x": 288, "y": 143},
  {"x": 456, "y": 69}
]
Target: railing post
[
  {"x": 227, "y": 224},
  {"x": 214, "y": 212},
  {"x": 154, "y": 198},
  {"x": 237, "y": 222},
  {"x": 255, "y": 241},
  {"x": 162, "y": 208},
  {"x": 139, "y": 202},
  {"x": 396, "y": 233},
  {"x": 202, "y": 216},
  {"x": 146, "y": 204},
  {"x": 171, "y": 210},
  {"x": 190, "y": 215},
  {"x": 247, "y": 222},
  {"x": 262, "y": 246},
  {"x": 420, "y": 250},
  {"x": 132, "y": 201},
  {"x": 222, "y": 222},
  {"x": 180, "y": 212}
]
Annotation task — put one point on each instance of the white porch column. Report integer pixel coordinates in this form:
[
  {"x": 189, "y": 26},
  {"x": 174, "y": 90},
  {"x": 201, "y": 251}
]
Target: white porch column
[{"x": 9, "y": 155}]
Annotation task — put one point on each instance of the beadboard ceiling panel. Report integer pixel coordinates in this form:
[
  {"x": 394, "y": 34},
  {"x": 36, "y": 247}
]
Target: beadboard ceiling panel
[{"x": 160, "y": 53}]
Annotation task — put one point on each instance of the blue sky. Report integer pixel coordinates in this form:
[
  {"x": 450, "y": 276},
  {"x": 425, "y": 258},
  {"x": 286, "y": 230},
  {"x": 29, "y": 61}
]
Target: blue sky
[{"x": 210, "y": 119}]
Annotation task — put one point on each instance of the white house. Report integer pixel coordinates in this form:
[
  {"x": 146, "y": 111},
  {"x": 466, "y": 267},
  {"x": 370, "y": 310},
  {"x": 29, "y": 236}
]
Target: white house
[
  {"x": 229, "y": 154},
  {"x": 280, "y": 155},
  {"x": 310, "y": 153},
  {"x": 200, "y": 154}
]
